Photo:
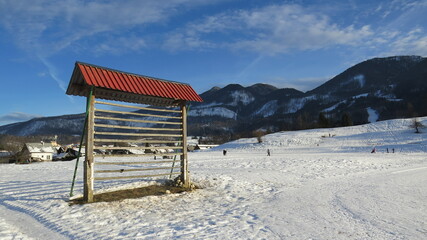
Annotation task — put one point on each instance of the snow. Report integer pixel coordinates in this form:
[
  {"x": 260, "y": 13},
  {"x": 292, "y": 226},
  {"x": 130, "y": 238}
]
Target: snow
[
  {"x": 241, "y": 96},
  {"x": 360, "y": 79},
  {"x": 333, "y": 107},
  {"x": 373, "y": 115},
  {"x": 296, "y": 104},
  {"x": 317, "y": 184},
  {"x": 212, "y": 111},
  {"x": 267, "y": 109},
  {"x": 360, "y": 95}
]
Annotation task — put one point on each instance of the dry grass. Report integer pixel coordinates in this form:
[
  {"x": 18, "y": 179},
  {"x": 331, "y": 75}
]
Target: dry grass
[{"x": 153, "y": 190}]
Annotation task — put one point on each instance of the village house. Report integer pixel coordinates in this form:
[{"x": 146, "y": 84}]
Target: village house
[
  {"x": 5, "y": 156},
  {"x": 33, "y": 152}
]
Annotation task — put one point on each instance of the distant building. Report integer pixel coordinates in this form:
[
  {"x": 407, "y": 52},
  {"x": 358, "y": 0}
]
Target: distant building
[
  {"x": 33, "y": 152},
  {"x": 5, "y": 156}
]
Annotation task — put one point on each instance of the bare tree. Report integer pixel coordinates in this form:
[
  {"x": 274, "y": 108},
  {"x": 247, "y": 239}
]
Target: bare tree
[
  {"x": 417, "y": 125},
  {"x": 258, "y": 134}
]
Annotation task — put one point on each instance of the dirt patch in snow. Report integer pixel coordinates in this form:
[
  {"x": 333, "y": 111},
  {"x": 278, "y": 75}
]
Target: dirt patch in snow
[{"x": 153, "y": 190}]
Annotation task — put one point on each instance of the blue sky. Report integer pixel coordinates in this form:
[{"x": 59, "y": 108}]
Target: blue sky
[{"x": 205, "y": 43}]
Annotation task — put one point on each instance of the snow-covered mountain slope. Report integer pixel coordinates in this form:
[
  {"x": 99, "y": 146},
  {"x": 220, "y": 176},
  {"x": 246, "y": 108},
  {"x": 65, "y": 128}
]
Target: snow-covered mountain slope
[
  {"x": 313, "y": 186},
  {"x": 394, "y": 134}
]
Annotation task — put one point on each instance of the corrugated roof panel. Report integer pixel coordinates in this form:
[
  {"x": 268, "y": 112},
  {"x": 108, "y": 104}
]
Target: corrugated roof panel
[
  {"x": 134, "y": 84},
  {"x": 144, "y": 85},
  {"x": 92, "y": 75},
  {"x": 111, "y": 78},
  {"x": 151, "y": 87},
  {"x": 123, "y": 83},
  {"x": 163, "y": 90},
  {"x": 84, "y": 73},
  {"x": 172, "y": 89},
  {"x": 100, "y": 77},
  {"x": 131, "y": 83},
  {"x": 141, "y": 86},
  {"x": 117, "y": 79},
  {"x": 110, "y": 83}
]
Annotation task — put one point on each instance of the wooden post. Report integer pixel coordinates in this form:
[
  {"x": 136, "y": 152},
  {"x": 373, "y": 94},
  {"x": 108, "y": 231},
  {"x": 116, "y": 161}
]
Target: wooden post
[
  {"x": 89, "y": 163},
  {"x": 185, "y": 179}
]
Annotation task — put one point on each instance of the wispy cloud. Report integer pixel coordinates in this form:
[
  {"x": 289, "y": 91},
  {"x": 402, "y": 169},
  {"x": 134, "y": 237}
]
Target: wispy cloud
[
  {"x": 269, "y": 30},
  {"x": 49, "y": 26},
  {"x": 16, "y": 117}
]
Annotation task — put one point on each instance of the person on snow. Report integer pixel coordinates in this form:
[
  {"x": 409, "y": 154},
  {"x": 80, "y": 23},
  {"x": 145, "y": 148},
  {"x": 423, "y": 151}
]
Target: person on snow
[{"x": 268, "y": 152}]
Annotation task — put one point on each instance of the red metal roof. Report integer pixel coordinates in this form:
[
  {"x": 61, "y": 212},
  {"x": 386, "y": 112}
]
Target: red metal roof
[{"x": 87, "y": 75}]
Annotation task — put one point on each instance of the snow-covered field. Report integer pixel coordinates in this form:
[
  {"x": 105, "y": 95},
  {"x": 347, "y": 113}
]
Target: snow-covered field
[{"x": 317, "y": 184}]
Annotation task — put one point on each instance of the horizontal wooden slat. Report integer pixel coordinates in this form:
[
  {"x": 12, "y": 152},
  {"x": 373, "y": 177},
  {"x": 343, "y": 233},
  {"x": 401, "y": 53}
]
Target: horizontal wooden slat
[
  {"x": 139, "y": 155},
  {"x": 137, "y": 128},
  {"x": 137, "y": 114},
  {"x": 133, "y": 162},
  {"x": 139, "y": 121},
  {"x": 134, "y": 141},
  {"x": 135, "y": 170},
  {"x": 136, "y": 107},
  {"x": 138, "y": 176},
  {"x": 136, "y": 148},
  {"x": 137, "y": 134}
]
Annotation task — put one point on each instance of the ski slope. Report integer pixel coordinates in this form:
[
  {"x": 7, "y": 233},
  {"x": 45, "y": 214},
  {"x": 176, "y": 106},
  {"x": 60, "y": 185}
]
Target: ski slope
[{"x": 317, "y": 184}]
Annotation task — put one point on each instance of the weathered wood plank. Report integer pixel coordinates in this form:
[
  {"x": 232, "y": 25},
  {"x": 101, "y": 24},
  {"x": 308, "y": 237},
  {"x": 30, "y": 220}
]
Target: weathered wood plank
[
  {"x": 138, "y": 121},
  {"x": 106, "y": 140},
  {"x": 138, "y": 155},
  {"x": 137, "y": 148},
  {"x": 137, "y": 114},
  {"x": 184, "y": 158},
  {"x": 136, "y": 107},
  {"x": 134, "y": 169},
  {"x": 133, "y": 162},
  {"x": 138, "y": 134},
  {"x": 89, "y": 161},
  {"x": 137, "y": 176},
  {"x": 136, "y": 128}
]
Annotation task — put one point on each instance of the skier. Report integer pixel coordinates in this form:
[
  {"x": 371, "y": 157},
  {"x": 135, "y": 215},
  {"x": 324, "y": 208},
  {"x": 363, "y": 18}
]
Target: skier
[
  {"x": 224, "y": 152},
  {"x": 268, "y": 152}
]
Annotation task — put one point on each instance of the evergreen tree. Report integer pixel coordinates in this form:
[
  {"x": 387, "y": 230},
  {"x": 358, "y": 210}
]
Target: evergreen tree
[
  {"x": 346, "y": 120},
  {"x": 323, "y": 122}
]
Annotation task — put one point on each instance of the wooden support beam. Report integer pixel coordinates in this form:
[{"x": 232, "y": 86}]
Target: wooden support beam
[
  {"x": 89, "y": 163},
  {"x": 185, "y": 179}
]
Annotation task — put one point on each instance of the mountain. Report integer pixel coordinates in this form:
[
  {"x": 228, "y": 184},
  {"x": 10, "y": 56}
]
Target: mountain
[
  {"x": 66, "y": 124},
  {"x": 376, "y": 89}
]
